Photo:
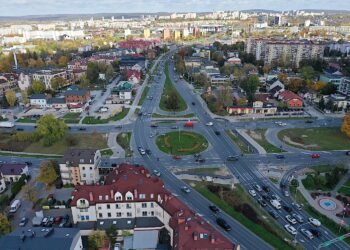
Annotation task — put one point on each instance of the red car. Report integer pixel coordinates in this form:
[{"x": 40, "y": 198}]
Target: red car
[
  {"x": 58, "y": 220},
  {"x": 176, "y": 157},
  {"x": 315, "y": 156}
]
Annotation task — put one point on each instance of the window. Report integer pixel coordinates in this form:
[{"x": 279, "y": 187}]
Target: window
[
  {"x": 83, "y": 168},
  {"x": 119, "y": 214},
  {"x": 90, "y": 168},
  {"x": 83, "y": 210},
  {"x": 82, "y": 202},
  {"x": 109, "y": 215},
  {"x": 82, "y": 217},
  {"x": 100, "y": 197},
  {"x": 100, "y": 215},
  {"x": 128, "y": 205},
  {"x": 99, "y": 208},
  {"x": 84, "y": 175},
  {"x": 87, "y": 217},
  {"x": 152, "y": 205},
  {"x": 117, "y": 206},
  {"x": 152, "y": 213},
  {"x": 108, "y": 206},
  {"x": 142, "y": 196},
  {"x": 118, "y": 198},
  {"x": 144, "y": 213},
  {"x": 129, "y": 198},
  {"x": 152, "y": 196},
  {"x": 128, "y": 214},
  {"x": 144, "y": 205},
  {"x": 106, "y": 197}
]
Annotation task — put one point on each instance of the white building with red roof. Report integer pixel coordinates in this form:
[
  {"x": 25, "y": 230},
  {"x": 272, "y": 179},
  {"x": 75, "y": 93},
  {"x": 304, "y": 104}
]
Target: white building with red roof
[{"x": 131, "y": 193}]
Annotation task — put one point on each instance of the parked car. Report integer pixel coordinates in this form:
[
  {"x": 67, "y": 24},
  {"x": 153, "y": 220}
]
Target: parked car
[
  {"x": 314, "y": 222},
  {"x": 290, "y": 229},
  {"x": 23, "y": 222},
  {"x": 156, "y": 172},
  {"x": 222, "y": 223},
  {"x": 185, "y": 189},
  {"x": 58, "y": 220},
  {"x": 290, "y": 219},
  {"x": 315, "y": 156},
  {"x": 347, "y": 152},
  {"x": 214, "y": 208}
]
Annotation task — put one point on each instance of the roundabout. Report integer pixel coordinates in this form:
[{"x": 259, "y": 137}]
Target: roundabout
[{"x": 181, "y": 143}]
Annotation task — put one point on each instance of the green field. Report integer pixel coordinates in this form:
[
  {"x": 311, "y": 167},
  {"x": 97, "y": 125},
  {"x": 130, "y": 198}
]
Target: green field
[
  {"x": 345, "y": 189},
  {"x": 117, "y": 117},
  {"x": 242, "y": 146},
  {"x": 259, "y": 136},
  {"x": 26, "y": 120},
  {"x": 181, "y": 143},
  {"x": 144, "y": 95},
  {"x": 71, "y": 118},
  {"x": 107, "y": 152},
  {"x": 124, "y": 139},
  {"x": 168, "y": 88},
  {"x": 330, "y": 138}
]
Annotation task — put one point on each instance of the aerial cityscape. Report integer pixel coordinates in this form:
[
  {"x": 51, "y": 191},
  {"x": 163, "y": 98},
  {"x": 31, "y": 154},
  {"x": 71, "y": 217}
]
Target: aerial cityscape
[{"x": 186, "y": 125}]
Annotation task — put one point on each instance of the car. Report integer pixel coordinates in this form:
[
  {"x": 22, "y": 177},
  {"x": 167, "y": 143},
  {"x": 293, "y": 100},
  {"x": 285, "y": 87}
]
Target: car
[
  {"x": 274, "y": 214},
  {"x": 82, "y": 129},
  {"x": 50, "y": 221},
  {"x": 290, "y": 229},
  {"x": 185, "y": 189},
  {"x": 266, "y": 197},
  {"x": 266, "y": 189},
  {"x": 154, "y": 125},
  {"x": 257, "y": 187},
  {"x": 309, "y": 121},
  {"x": 262, "y": 202},
  {"x": 298, "y": 217},
  {"x": 197, "y": 155},
  {"x": 214, "y": 208},
  {"x": 19, "y": 129},
  {"x": 193, "y": 103},
  {"x": 315, "y": 156},
  {"x": 314, "y": 222},
  {"x": 315, "y": 232},
  {"x": 307, "y": 233},
  {"x": 156, "y": 172},
  {"x": 222, "y": 223},
  {"x": 28, "y": 163},
  {"x": 298, "y": 207},
  {"x": 23, "y": 221},
  {"x": 174, "y": 127},
  {"x": 119, "y": 127},
  {"x": 290, "y": 219},
  {"x": 232, "y": 158},
  {"x": 200, "y": 160},
  {"x": 142, "y": 151},
  {"x": 287, "y": 208},
  {"x": 44, "y": 221},
  {"x": 148, "y": 151},
  {"x": 276, "y": 197},
  {"x": 217, "y": 132},
  {"x": 347, "y": 152},
  {"x": 176, "y": 157},
  {"x": 209, "y": 124},
  {"x": 280, "y": 156},
  {"x": 252, "y": 192},
  {"x": 285, "y": 193},
  {"x": 58, "y": 220}
]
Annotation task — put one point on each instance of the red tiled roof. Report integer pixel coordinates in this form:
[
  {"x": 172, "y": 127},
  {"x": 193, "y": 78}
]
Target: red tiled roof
[
  {"x": 135, "y": 73},
  {"x": 288, "y": 95},
  {"x": 190, "y": 230}
]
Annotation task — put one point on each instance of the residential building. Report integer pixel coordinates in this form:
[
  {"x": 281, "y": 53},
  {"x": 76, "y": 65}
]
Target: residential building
[
  {"x": 80, "y": 166},
  {"x": 240, "y": 110},
  {"x": 24, "y": 80},
  {"x": 38, "y": 238},
  {"x": 11, "y": 172},
  {"x": 134, "y": 76},
  {"x": 39, "y": 100},
  {"x": 233, "y": 61},
  {"x": 335, "y": 79},
  {"x": 166, "y": 34},
  {"x": 261, "y": 104},
  {"x": 56, "y": 103},
  {"x": 340, "y": 102},
  {"x": 131, "y": 193},
  {"x": 123, "y": 92},
  {"x": 219, "y": 79},
  {"x": 76, "y": 95},
  {"x": 46, "y": 76},
  {"x": 8, "y": 81},
  {"x": 2, "y": 184},
  {"x": 344, "y": 87},
  {"x": 292, "y": 100},
  {"x": 146, "y": 33}
]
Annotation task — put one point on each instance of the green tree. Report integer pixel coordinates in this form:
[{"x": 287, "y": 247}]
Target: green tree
[
  {"x": 38, "y": 87},
  {"x": 58, "y": 82},
  {"x": 84, "y": 82},
  {"x": 97, "y": 239},
  {"x": 5, "y": 225},
  {"x": 92, "y": 72},
  {"x": 30, "y": 193},
  {"x": 24, "y": 94},
  {"x": 109, "y": 72},
  {"x": 11, "y": 97},
  {"x": 51, "y": 129},
  {"x": 321, "y": 104},
  {"x": 250, "y": 86},
  {"x": 172, "y": 101},
  {"x": 47, "y": 173},
  {"x": 308, "y": 72}
]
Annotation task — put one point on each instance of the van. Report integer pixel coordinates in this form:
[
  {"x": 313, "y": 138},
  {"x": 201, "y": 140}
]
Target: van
[
  {"x": 275, "y": 204},
  {"x": 14, "y": 206}
]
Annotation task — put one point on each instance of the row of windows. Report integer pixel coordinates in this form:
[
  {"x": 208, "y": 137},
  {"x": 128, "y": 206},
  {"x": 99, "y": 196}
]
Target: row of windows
[
  {"x": 128, "y": 214},
  {"x": 128, "y": 205}
]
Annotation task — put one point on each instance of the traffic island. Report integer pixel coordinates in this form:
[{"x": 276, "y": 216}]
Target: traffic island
[{"x": 182, "y": 143}]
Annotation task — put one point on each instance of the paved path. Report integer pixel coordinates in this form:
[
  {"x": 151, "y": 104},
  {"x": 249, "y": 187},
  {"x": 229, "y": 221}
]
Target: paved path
[
  {"x": 118, "y": 151},
  {"x": 340, "y": 183},
  {"x": 251, "y": 141}
]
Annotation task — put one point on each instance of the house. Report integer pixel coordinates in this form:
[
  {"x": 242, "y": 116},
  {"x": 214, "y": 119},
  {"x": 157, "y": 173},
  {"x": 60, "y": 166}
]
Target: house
[
  {"x": 335, "y": 79},
  {"x": 75, "y": 95},
  {"x": 24, "y": 80},
  {"x": 8, "y": 81},
  {"x": 134, "y": 200},
  {"x": 134, "y": 76},
  {"x": 340, "y": 102},
  {"x": 39, "y": 100},
  {"x": 56, "y": 103},
  {"x": 47, "y": 75},
  {"x": 219, "y": 79},
  {"x": 261, "y": 104},
  {"x": 76, "y": 108},
  {"x": 291, "y": 99},
  {"x": 240, "y": 110},
  {"x": 210, "y": 70},
  {"x": 80, "y": 166},
  {"x": 193, "y": 62},
  {"x": 11, "y": 172},
  {"x": 123, "y": 92},
  {"x": 38, "y": 238},
  {"x": 233, "y": 61},
  {"x": 129, "y": 62}
]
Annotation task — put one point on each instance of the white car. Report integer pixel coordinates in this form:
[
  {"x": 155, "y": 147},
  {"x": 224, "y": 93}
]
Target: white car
[
  {"x": 314, "y": 222},
  {"x": 307, "y": 233},
  {"x": 291, "y": 219},
  {"x": 276, "y": 197},
  {"x": 252, "y": 192},
  {"x": 286, "y": 193},
  {"x": 156, "y": 172},
  {"x": 258, "y": 188},
  {"x": 209, "y": 124},
  {"x": 290, "y": 229}
]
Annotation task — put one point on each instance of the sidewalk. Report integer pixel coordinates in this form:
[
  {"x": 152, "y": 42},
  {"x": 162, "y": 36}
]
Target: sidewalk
[
  {"x": 118, "y": 151},
  {"x": 252, "y": 142},
  {"x": 340, "y": 183}
]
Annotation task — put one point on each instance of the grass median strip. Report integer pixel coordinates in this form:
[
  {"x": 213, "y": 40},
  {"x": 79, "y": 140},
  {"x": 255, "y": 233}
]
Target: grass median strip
[
  {"x": 117, "y": 117},
  {"x": 259, "y": 136},
  {"x": 144, "y": 95},
  {"x": 242, "y": 146},
  {"x": 124, "y": 139}
]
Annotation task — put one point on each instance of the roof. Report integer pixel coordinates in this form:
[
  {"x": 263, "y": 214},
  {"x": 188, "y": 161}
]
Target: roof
[
  {"x": 289, "y": 95},
  {"x": 76, "y": 92},
  {"x": 12, "y": 169},
  {"x": 38, "y": 238},
  {"x": 262, "y": 97},
  {"x": 56, "y": 100},
  {"x": 37, "y": 96},
  {"x": 145, "y": 239},
  {"x": 79, "y": 156}
]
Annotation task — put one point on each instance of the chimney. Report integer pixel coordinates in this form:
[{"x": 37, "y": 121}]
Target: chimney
[
  {"x": 91, "y": 196},
  {"x": 187, "y": 227},
  {"x": 112, "y": 193},
  {"x": 135, "y": 193},
  {"x": 195, "y": 236},
  {"x": 142, "y": 171},
  {"x": 180, "y": 220},
  {"x": 116, "y": 172},
  {"x": 212, "y": 238}
]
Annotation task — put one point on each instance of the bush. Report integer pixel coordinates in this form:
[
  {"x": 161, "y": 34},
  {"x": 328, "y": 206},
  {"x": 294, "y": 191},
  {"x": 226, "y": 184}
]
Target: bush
[
  {"x": 27, "y": 136},
  {"x": 17, "y": 186},
  {"x": 71, "y": 141},
  {"x": 4, "y": 201}
]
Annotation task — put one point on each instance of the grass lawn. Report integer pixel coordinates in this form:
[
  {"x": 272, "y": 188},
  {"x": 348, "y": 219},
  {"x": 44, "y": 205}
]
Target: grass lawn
[
  {"x": 204, "y": 170},
  {"x": 325, "y": 221},
  {"x": 330, "y": 138},
  {"x": 117, "y": 117},
  {"x": 168, "y": 88},
  {"x": 181, "y": 143},
  {"x": 107, "y": 152},
  {"x": 155, "y": 115},
  {"x": 144, "y": 95},
  {"x": 26, "y": 120},
  {"x": 123, "y": 139},
  {"x": 259, "y": 136},
  {"x": 30, "y": 155},
  {"x": 94, "y": 141},
  {"x": 243, "y": 147},
  {"x": 273, "y": 180},
  {"x": 71, "y": 118},
  {"x": 345, "y": 189},
  {"x": 274, "y": 238}
]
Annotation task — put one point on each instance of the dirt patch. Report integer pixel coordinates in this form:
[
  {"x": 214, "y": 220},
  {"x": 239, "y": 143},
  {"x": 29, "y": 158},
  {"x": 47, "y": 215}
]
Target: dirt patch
[
  {"x": 297, "y": 141},
  {"x": 255, "y": 135}
]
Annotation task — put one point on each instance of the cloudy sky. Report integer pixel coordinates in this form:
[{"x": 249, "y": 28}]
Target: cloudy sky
[{"x": 39, "y": 7}]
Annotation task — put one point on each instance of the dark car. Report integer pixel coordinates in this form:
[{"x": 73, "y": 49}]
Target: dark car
[
  {"x": 19, "y": 129},
  {"x": 82, "y": 129},
  {"x": 148, "y": 151},
  {"x": 217, "y": 132},
  {"x": 266, "y": 189},
  {"x": 347, "y": 153},
  {"x": 280, "y": 156},
  {"x": 265, "y": 196},
  {"x": 262, "y": 202},
  {"x": 273, "y": 214},
  {"x": 200, "y": 160},
  {"x": 309, "y": 121},
  {"x": 232, "y": 158},
  {"x": 222, "y": 223},
  {"x": 287, "y": 208},
  {"x": 193, "y": 103},
  {"x": 28, "y": 163},
  {"x": 315, "y": 232},
  {"x": 213, "y": 208},
  {"x": 154, "y": 125}
]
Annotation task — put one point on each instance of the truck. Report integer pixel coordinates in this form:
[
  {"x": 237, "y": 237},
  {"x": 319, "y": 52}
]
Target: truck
[
  {"x": 276, "y": 204},
  {"x": 14, "y": 206},
  {"x": 38, "y": 218},
  {"x": 7, "y": 124}
]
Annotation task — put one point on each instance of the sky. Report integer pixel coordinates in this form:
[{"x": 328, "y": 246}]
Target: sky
[{"x": 43, "y": 7}]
